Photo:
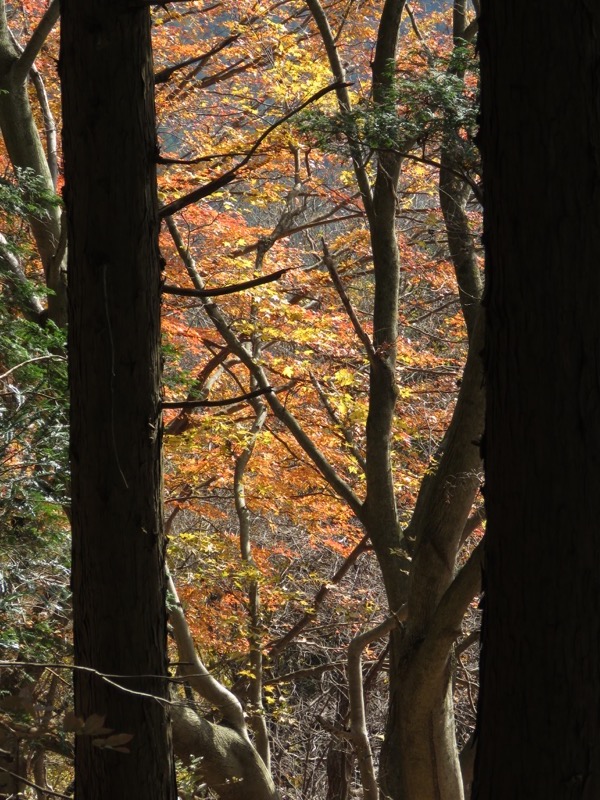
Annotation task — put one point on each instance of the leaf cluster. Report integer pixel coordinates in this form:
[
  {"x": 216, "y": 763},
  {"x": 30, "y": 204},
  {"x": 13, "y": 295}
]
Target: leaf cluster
[
  {"x": 414, "y": 108},
  {"x": 34, "y": 487},
  {"x": 25, "y": 194}
]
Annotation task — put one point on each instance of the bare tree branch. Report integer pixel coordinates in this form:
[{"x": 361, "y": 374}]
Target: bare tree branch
[
  {"x": 163, "y": 75},
  {"x": 325, "y": 219},
  {"x": 198, "y": 676},
  {"x": 231, "y": 289},
  {"x": 200, "y": 390},
  {"x": 335, "y": 278},
  {"x": 218, "y": 183},
  {"x": 25, "y": 61},
  {"x": 358, "y": 720},
  {"x": 348, "y": 438},
  {"x": 340, "y": 487},
  {"x": 230, "y": 401},
  {"x": 200, "y": 159},
  {"x": 338, "y": 72},
  {"x": 467, "y": 642},
  {"x": 280, "y": 644},
  {"x": 474, "y": 521},
  {"x": 35, "y": 786},
  {"x": 419, "y": 35}
]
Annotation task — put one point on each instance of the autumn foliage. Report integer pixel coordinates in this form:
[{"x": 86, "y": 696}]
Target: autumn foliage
[{"x": 271, "y": 562}]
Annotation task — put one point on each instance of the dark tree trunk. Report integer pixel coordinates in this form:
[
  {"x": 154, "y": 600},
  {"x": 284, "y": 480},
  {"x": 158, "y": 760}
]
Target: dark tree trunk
[
  {"x": 114, "y": 337},
  {"x": 539, "y": 724}
]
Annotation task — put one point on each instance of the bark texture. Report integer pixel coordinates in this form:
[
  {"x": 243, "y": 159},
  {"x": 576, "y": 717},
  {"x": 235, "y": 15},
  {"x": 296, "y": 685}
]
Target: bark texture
[
  {"x": 539, "y": 727},
  {"x": 114, "y": 316},
  {"x": 227, "y": 761}
]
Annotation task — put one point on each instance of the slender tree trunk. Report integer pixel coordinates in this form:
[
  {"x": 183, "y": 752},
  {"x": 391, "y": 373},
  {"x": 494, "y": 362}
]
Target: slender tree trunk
[
  {"x": 419, "y": 757},
  {"x": 114, "y": 336},
  {"x": 25, "y": 150},
  {"x": 538, "y": 725},
  {"x": 339, "y": 754}
]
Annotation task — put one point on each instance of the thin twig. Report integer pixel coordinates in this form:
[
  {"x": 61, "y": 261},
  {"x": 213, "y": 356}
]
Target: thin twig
[
  {"x": 432, "y": 163},
  {"x": 335, "y": 278},
  {"x": 419, "y": 35},
  {"x": 107, "y": 678},
  {"x": 275, "y": 647},
  {"x": 325, "y": 219},
  {"x": 218, "y": 183},
  {"x": 346, "y": 433},
  {"x": 30, "y": 361},
  {"x": 163, "y": 75},
  {"x": 467, "y": 642},
  {"x": 21, "y": 779}
]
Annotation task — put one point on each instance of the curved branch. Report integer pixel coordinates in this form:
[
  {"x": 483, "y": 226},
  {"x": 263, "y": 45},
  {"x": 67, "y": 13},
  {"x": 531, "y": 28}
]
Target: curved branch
[
  {"x": 338, "y": 72},
  {"x": 23, "y": 64},
  {"x": 218, "y": 183},
  {"x": 340, "y": 487},
  {"x": 280, "y": 644},
  {"x": 231, "y": 289},
  {"x": 229, "y": 401},
  {"x": 227, "y": 762},
  {"x": 196, "y": 673},
  {"x": 358, "y": 722}
]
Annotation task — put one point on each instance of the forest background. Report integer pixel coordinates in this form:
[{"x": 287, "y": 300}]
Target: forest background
[{"x": 322, "y": 431}]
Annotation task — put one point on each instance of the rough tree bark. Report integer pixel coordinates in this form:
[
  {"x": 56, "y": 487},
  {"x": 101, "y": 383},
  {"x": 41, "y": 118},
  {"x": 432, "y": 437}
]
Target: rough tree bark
[
  {"x": 538, "y": 726},
  {"x": 118, "y": 578}
]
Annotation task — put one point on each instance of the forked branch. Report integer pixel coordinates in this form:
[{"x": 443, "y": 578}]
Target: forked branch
[
  {"x": 340, "y": 487},
  {"x": 25, "y": 61}
]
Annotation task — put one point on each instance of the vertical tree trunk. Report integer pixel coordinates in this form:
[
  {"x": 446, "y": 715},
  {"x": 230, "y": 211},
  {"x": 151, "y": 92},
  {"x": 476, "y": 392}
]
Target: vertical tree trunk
[
  {"x": 539, "y": 726},
  {"x": 114, "y": 337},
  {"x": 339, "y": 754}
]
